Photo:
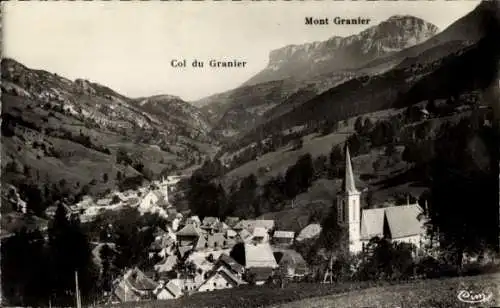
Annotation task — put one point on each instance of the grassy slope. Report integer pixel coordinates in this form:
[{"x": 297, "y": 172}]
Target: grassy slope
[
  {"x": 427, "y": 293},
  {"x": 384, "y": 184},
  {"x": 77, "y": 163},
  {"x": 315, "y": 145}
]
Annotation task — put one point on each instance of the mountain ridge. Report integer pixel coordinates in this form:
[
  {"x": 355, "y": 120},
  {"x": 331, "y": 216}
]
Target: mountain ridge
[
  {"x": 309, "y": 59},
  {"x": 81, "y": 132}
]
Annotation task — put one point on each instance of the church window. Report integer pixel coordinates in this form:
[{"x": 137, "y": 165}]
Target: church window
[
  {"x": 341, "y": 211},
  {"x": 345, "y": 211}
]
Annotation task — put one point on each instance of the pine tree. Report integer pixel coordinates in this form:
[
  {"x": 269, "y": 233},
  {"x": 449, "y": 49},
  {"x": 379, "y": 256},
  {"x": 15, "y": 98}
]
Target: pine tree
[{"x": 69, "y": 251}]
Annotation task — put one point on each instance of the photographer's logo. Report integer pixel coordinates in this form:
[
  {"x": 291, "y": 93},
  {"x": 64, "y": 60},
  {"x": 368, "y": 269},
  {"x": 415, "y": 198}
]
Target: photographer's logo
[{"x": 474, "y": 296}]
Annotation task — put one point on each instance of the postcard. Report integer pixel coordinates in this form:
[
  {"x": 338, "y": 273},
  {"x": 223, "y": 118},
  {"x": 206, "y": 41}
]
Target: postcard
[{"x": 250, "y": 154}]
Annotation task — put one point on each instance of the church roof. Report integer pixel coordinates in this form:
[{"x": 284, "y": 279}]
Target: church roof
[
  {"x": 372, "y": 223},
  {"x": 350, "y": 186},
  {"x": 402, "y": 221}
]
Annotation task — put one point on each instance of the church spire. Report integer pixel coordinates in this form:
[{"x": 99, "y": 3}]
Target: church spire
[{"x": 350, "y": 186}]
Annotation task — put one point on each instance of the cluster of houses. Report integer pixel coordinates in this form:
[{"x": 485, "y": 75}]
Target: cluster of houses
[
  {"x": 153, "y": 198},
  {"x": 196, "y": 255},
  {"x": 192, "y": 255}
]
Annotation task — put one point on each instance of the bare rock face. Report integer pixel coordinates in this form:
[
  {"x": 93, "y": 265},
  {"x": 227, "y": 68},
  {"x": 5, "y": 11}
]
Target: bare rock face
[{"x": 337, "y": 53}]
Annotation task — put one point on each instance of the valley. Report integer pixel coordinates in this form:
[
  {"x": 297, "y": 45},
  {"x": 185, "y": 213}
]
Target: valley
[{"x": 363, "y": 166}]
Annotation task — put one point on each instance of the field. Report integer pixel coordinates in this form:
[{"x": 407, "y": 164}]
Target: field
[
  {"x": 280, "y": 160},
  {"x": 431, "y": 293},
  {"x": 426, "y": 293}
]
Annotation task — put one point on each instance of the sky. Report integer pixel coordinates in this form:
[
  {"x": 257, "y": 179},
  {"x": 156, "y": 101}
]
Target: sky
[{"x": 129, "y": 46}]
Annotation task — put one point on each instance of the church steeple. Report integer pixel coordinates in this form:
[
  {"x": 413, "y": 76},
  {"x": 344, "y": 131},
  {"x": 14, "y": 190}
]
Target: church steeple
[
  {"x": 348, "y": 207},
  {"x": 349, "y": 184}
]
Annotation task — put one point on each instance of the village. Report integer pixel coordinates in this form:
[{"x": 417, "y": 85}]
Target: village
[{"x": 201, "y": 255}]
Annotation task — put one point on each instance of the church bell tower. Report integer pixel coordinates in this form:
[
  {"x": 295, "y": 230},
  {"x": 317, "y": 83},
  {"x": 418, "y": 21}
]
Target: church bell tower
[{"x": 348, "y": 207}]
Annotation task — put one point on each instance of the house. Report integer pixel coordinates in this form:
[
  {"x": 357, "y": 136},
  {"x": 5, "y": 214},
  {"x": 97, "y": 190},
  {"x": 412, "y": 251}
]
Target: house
[
  {"x": 216, "y": 241},
  {"x": 201, "y": 243},
  {"x": 231, "y": 221},
  {"x": 260, "y": 235},
  {"x": 169, "y": 291},
  {"x": 283, "y": 238},
  {"x": 151, "y": 199},
  {"x": 188, "y": 235},
  {"x": 205, "y": 261},
  {"x": 220, "y": 279},
  {"x": 230, "y": 264},
  {"x": 231, "y": 233},
  {"x": 172, "y": 211},
  {"x": 259, "y": 262},
  {"x": 163, "y": 268},
  {"x": 184, "y": 251},
  {"x": 210, "y": 223},
  {"x": 250, "y": 225},
  {"x": 244, "y": 235},
  {"x": 134, "y": 286},
  {"x": 309, "y": 232},
  {"x": 291, "y": 263},
  {"x": 193, "y": 220},
  {"x": 72, "y": 211},
  {"x": 395, "y": 223},
  {"x": 188, "y": 285}
]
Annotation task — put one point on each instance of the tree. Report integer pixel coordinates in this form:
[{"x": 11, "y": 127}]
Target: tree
[
  {"x": 70, "y": 251},
  {"x": 123, "y": 157},
  {"x": 357, "y": 145},
  {"x": 337, "y": 162},
  {"x": 298, "y": 144},
  {"x": 320, "y": 166},
  {"x": 390, "y": 150},
  {"x": 244, "y": 200},
  {"x": 459, "y": 178},
  {"x": 206, "y": 198},
  {"x": 368, "y": 126},
  {"x": 108, "y": 271},
  {"x": 336, "y": 155},
  {"x": 431, "y": 106},
  {"x": 274, "y": 193},
  {"x": 24, "y": 269},
  {"x": 299, "y": 177},
  {"x": 358, "y": 125},
  {"x": 332, "y": 235},
  {"x": 34, "y": 199},
  {"x": 369, "y": 199},
  {"x": 385, "y": 260}
]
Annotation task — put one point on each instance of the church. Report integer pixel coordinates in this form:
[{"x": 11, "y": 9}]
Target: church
[{"x": 402, "y": 223}]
